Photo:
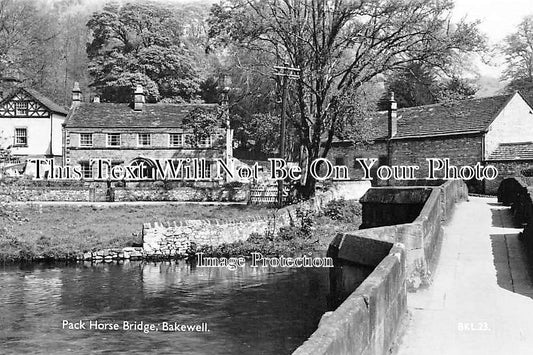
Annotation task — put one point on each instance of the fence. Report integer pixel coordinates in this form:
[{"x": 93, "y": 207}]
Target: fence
[{"x": 264, "y": 195}]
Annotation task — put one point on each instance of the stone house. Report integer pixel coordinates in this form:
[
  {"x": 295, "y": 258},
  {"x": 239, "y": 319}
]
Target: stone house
[
  {"x": 31, "y": 124},
  {"x": 494, "y": 130},
  {"x": 136, "y": 134}
]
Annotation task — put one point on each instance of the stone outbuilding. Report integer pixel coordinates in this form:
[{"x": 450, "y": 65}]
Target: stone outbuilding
[{"x": 495, "y": 130}]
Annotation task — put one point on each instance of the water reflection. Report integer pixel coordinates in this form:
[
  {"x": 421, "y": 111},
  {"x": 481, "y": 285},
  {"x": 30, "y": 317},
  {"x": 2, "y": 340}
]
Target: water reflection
[{"x": 249, "y": 310}]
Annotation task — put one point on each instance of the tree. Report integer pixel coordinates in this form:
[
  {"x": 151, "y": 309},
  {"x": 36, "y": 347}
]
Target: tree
[
  {"x": 518, "y": 51},
  {"x": 340, "y": 46},
  {"x": 25, "y": 33},
  {"x": 203, "y": 124},
  {"x": 5, "y": 147},
  {"x": 143, "y": 38},
  {"x": 417, "y": 85}
]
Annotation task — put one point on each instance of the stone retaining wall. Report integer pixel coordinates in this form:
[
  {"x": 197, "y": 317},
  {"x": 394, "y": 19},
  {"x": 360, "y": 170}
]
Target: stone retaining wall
[
  {"x": 79, "y": 191},
  {"x": 171, "y": 239},
  {"x": 368, "y": 321}
]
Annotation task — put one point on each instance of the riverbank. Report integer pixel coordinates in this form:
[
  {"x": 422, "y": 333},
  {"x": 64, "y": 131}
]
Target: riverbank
[
  {"x": 107, "y": 232},
  {"x": 61, "y": 232}
]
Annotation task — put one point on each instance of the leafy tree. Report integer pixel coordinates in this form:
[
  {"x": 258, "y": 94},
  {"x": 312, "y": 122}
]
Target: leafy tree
[
  {"x": 258, "y": 132},
  {"x": 141, "y": 38},
  {"x": 412, "y": 86},
  {"x": 25, "y": 34},
  {"x": 203, "y": 123},
  {"x": 339, "y": 46},
  {"x": 455, "y": 88},
  {"x": 417, "y": 85},
  {"x": 5, "y": 147},
  {"x": 518, "y": 51}
]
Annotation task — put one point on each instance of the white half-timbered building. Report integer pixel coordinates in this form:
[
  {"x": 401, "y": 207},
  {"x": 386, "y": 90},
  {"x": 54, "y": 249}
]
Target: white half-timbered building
[{"x": 31, "y": 124}]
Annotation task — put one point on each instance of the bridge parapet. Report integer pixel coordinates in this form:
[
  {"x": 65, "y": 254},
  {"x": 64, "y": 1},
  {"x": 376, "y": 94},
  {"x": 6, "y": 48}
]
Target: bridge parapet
[
  {"x": 368, "y": 321},
  {"x": 517, "y": 193},
  {"x": 420, "y": 233}
]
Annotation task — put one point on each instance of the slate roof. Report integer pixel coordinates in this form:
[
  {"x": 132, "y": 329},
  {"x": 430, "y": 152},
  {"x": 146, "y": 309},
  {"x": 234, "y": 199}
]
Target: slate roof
[
  {"x": 513, "y": 151},
  {"x": 45, "y": 101},
  {"x": 458, "y": 117},
  {"x": 115, "y": 115}
]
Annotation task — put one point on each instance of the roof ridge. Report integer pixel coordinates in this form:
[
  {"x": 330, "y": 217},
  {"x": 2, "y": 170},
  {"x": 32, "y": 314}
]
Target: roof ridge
[
  {"x": 516, "y": 143},
  {"x": 451, "y": 102}
]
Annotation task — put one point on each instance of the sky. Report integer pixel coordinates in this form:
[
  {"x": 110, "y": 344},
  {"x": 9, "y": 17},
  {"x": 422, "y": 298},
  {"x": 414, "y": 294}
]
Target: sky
[{"x": 499, "y": 18}]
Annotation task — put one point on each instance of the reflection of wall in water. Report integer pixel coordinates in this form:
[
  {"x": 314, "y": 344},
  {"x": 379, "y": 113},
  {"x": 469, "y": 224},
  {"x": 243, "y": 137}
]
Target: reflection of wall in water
[{"x": 159, "y": 276}]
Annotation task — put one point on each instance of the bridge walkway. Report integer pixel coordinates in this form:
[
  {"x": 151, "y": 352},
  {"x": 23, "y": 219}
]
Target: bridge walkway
[{"x": 481, "y": 297}]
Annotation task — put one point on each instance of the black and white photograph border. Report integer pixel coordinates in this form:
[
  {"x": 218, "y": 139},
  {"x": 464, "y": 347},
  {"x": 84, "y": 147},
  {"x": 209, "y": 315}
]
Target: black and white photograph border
[{"x": 298, "y": 177}]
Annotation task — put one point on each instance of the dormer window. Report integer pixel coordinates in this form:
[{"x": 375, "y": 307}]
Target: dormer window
[{"x": 21, "y": 108}]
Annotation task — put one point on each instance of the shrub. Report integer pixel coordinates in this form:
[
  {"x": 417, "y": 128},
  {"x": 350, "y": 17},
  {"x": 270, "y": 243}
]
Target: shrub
[{"x": 342, "y": 210}]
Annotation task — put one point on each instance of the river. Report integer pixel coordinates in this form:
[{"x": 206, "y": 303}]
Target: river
[{"x": 247, "y": 311}]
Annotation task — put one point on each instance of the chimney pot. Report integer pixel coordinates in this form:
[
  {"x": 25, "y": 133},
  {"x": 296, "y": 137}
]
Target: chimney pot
[
  {"x": 138, "y": 98},
  {"x": 393, "y": 116}
]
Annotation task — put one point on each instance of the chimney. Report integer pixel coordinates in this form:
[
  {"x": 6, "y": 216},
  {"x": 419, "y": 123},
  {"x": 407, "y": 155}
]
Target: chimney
[
  {"x": 76, "y": 94},
  {"x": 138, "y": 98},
  {"x": 96, "y": 99},
  {"x": 393, "y": 116}
]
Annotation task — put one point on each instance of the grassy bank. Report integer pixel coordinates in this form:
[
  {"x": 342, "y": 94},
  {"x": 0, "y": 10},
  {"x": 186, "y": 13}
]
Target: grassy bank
[{"x": 30, "y": 232}]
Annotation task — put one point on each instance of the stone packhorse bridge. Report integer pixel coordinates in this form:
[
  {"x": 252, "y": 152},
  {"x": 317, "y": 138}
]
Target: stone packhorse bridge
[{"x": 464, "y": 261}]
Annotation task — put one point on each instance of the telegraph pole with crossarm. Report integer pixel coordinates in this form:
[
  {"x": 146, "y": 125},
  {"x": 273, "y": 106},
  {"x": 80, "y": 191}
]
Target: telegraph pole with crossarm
[{"x": 285, "y": 72}]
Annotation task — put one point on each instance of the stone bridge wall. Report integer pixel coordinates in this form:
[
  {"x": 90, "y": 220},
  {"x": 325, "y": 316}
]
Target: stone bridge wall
[
  {"x": 420, "y": 237},
  {"x": 369, "y": 319},
  {"x": 518, "y": 193}
]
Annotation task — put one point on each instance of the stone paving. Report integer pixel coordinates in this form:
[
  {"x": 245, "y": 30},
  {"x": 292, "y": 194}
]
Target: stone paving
[{"x": 480, "y": 299}]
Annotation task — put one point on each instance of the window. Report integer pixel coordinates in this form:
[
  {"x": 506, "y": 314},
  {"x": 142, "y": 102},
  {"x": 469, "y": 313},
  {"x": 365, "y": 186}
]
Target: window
[
  {"x": 204, "y": 142},
  {"x": 21, "y": 108},
  {"x": 113, "y": 139},
  {"x": 21, "y": 137},
  {"x": 144, "y": 139},
  {"x": 86, "y": 171},
  {"x": 176, "y": 140},
  {"x": 86, "y": 140}
]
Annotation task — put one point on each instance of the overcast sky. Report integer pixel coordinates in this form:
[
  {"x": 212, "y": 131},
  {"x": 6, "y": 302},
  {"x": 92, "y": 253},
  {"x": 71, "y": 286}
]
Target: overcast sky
[{"x": 498, "y": 19}]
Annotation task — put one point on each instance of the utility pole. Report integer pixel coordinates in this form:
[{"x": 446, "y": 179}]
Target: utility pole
[
  {"x": 285, "y": 72},
  {"x": 224, "y": 88}
]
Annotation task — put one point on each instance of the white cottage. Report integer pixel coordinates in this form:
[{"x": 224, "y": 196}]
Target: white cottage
[{"x": 31, "y": 124}]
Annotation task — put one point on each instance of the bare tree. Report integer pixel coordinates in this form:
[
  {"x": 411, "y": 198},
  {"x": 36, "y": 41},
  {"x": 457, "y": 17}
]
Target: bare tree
[{"x": 341, "y": 45}]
